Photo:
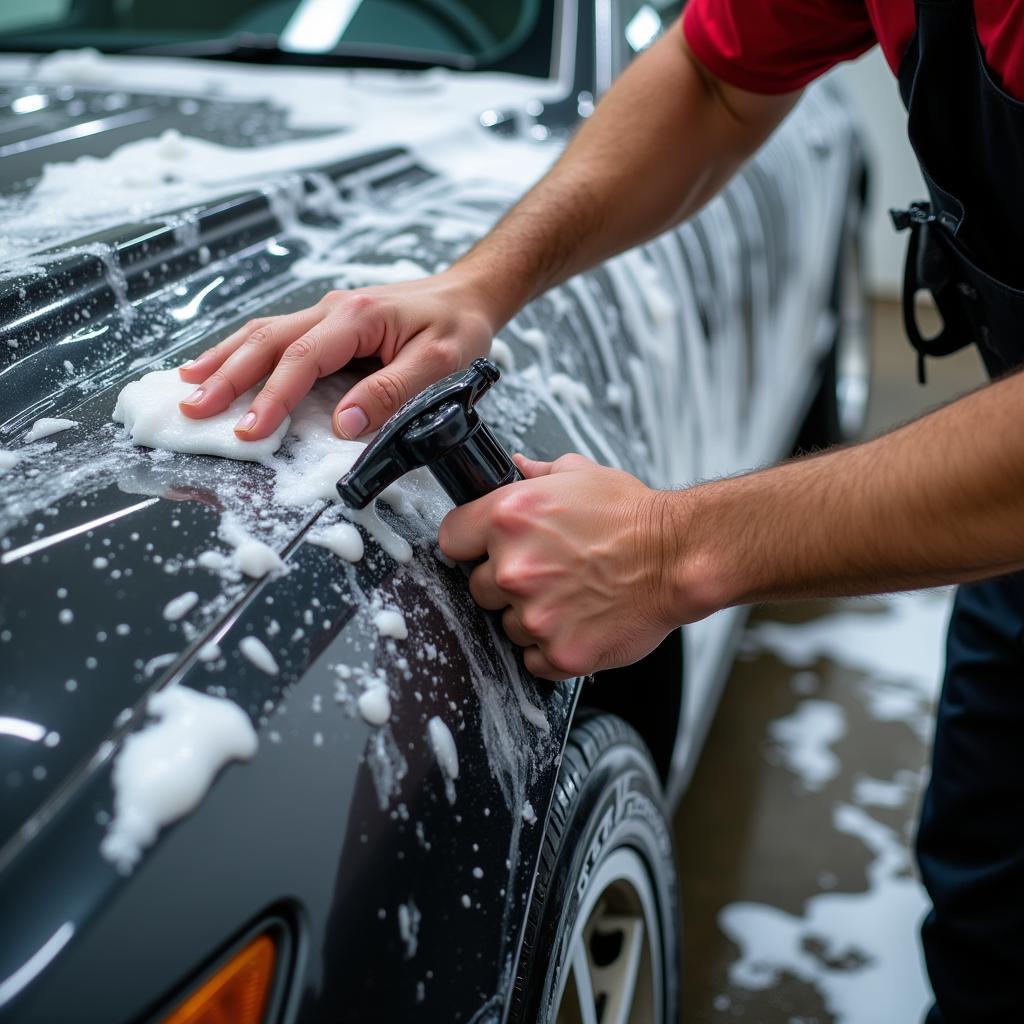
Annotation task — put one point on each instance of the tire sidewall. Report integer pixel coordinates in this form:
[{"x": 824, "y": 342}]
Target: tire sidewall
[{"x": 619, "y": 804}]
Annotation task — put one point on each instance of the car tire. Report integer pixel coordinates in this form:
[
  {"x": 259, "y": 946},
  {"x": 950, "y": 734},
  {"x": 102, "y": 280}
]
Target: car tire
[
  {"x": 604, "y": 916},
  {"x": 839, "y": 412}
]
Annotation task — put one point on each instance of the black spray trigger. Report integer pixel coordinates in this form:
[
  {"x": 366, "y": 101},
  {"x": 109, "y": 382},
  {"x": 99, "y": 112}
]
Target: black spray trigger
[{"x": 441, "y": 430}]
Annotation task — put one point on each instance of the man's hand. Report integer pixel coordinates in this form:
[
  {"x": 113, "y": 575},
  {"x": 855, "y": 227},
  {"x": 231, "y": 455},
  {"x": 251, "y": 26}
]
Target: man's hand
[
  {"x": 420, "y": 330},
  {"x": 575, "y": 561}
]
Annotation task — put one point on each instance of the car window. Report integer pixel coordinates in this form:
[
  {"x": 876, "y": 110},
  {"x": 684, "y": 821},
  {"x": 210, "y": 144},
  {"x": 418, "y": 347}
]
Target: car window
[{"x": 481, "y": 30}]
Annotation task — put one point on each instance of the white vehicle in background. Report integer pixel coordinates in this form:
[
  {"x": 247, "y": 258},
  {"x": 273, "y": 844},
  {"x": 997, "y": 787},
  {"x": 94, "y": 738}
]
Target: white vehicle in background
[{"x": 202, "y": 164}]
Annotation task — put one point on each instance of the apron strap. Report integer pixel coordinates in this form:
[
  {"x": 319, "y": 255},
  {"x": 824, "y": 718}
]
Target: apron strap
[{"x": 928, "y": 268}]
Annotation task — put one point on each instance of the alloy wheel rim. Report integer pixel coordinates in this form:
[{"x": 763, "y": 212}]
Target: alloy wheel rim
[{"x": 612, "y": 970}]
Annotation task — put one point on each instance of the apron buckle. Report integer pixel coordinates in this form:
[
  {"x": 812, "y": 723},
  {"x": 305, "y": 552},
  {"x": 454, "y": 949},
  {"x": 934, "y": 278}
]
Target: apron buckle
[
  {"x": 917, "y": 213},
  {"x": 927, "y": 267}
]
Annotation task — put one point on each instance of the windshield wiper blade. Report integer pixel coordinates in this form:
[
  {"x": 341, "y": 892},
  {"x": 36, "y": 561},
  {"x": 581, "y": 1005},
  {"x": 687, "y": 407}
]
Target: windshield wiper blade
[{"x": 262, "y": 49}]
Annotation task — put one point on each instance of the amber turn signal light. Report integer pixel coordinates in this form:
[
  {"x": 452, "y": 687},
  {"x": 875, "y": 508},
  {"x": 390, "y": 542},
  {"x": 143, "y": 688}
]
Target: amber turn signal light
[{"x": 236, "y": 994}]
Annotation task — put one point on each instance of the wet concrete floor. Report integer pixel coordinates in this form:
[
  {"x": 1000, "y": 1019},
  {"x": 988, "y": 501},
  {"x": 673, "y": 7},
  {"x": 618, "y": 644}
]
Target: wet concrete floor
[{"x": 758, "y": 828}]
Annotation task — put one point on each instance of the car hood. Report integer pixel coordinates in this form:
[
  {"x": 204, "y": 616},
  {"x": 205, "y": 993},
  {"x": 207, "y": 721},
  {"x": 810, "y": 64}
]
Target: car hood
[
  {"x": 57, "y": 110},
  {"x": 141, "y": 222},
  {"x": 140, "y": 226}
]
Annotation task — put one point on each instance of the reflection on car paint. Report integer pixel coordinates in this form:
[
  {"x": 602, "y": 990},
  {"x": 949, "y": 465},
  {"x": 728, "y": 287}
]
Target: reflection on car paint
[{"x": 667, "y": 362}]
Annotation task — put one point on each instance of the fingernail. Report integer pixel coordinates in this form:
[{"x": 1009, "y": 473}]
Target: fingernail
[
  {"x": 247, "y": 422},
  {"x": 191, "y": 364},
  {"x": 195, "y": 398},
  {"x": 352, "y": 422}
]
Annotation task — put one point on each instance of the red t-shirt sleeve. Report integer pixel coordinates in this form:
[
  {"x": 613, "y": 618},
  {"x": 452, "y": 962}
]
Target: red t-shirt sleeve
[{"x": 775, "y": 46}]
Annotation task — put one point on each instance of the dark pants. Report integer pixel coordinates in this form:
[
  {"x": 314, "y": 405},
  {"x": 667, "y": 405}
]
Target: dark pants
[{"x": 971, "y": 841}]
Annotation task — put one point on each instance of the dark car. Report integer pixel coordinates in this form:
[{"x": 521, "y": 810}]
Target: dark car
[{"x": 257, "y": 760}]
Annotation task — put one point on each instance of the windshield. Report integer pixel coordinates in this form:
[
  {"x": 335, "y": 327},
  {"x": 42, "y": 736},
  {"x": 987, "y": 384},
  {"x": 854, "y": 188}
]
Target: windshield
[{"x": 467, "y": 33}]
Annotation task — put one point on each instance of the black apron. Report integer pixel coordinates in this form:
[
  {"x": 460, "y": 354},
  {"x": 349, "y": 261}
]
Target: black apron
[
  {"x": 966, "y": 247},
  {"x": 967, "y": 243}
]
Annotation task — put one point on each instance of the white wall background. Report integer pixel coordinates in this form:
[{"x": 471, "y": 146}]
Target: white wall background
[{"x": 895, "y": 178}]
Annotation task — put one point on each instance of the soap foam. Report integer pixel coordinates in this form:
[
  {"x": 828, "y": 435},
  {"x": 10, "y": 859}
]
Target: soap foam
[
  {"x": 251, "y": 556},
  {"x": 374, "y": 704},
  {"x": 46, "y": 426},
  {"x": 180, "y": 606},
  {"x": 804, "y": 741},
  {"x": 255, "y": 650},
  {"x": 391, "y": 622},
  {"x": 148, "y": 408},
  {"x": 209, "y": 652},
  {"x": 409, "y": 926},
  {"x": 163, "y": 771},
  {"x": 443, "y": 745},
  {"x": 341, "y": 538},
  {"x": 357, "y": 275}
]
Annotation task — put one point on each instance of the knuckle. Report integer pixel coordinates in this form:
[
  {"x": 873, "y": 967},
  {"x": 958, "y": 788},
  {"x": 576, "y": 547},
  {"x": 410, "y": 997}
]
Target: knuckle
[
  {"x": 511, "y": 509},
  {"x": 477, "y": 584},
  {"x": 536, "y": 621},
  {"x": 260, "y": 335},
  {"x": 444, "y": 356},
  {"x": 508, "y": 577},
  {"x": 220, "y": 379},
  {"x": 534, "y": 661},
  {"x": 300, "y": 350},
  {"x": 387, "y": 389},
  {"x": 270, "y": 395},
  {"x": 361, "y": 304},
  {"x": 567, "y": 659}
]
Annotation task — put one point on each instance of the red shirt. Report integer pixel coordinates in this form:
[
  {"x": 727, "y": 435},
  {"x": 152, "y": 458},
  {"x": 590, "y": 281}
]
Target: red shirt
[{"x": 776, "y": 46}]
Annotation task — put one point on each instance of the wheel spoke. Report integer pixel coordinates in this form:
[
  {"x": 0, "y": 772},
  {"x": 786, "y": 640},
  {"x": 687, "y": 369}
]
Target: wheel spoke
[
  {"x": 609, "y": 973},
  {"x": 584, "y": 986},
  {"x": 618, "y": 981}
]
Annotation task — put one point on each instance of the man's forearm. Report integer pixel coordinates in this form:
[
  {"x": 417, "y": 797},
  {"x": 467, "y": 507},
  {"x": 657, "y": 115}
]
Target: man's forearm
[
  {"x": 661, "y": 143},
  {"x": 939, "y": 500}
]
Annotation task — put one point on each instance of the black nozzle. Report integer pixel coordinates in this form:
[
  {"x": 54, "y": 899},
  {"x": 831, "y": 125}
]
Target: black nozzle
[{"x": 440, "y": 429}]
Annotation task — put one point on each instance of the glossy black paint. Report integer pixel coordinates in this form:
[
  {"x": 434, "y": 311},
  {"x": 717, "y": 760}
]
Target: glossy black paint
[
  {"x": 298, "y": 835},
  {"x": 299, "y": 831}
]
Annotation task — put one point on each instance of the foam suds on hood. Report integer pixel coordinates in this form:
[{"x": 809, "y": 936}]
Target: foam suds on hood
[
  {"x": 409, "y": 926},
  {"x": 147, "y": 177},
  {"x": 341, "y": 538},
  {"x": 164, "y": 770},
  {"x": 391, "y": 622},
  {"x": 46, "y": 426},
  {"x": 358, "y": 275},
  {"x": 255, "y": 651},
  {"x": 374, "y": 703},
  {"x": 251, "y": 556},
  {"x": 180, "y": 606},
  {"x": 447, "y": 755}
]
